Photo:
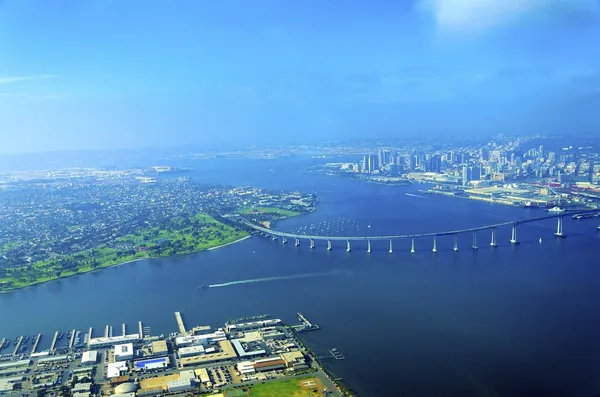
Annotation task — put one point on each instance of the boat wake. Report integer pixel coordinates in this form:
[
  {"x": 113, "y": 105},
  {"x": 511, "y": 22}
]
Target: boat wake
[
  {"x": 275, "y": 278},
  {"x": 415, "y": 195}
]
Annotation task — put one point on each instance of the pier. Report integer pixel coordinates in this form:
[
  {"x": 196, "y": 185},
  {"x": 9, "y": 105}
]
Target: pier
[
  {"x": 106, "y": 331},
  {"x": 16, "y": 350},
  {"x": 90, "y": 333},
  {"x": 306, "y": 325},
  {"x": 141, "y": 330},
  {"x": 123, "y": 329},
  {"x": 72, "y": 339},
  {"x": 35, "y": 344},
  {"x": 53, "y": 344},
  {"x": 2, "y": 342},
  {"x": 180, "y": 323}
]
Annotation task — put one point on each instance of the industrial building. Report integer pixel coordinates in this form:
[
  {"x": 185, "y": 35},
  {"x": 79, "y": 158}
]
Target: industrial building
[
  {"x": 205, "y": 339},
  {"x": 191, "y": 351},
  {"x": 272, "y": 334},
  {"x": 227, "y": 353},
  {"x": 15, "y": 364},
  {"x": 151, "y": 364},
  {"x": 112, "y": 340},
  {"x": 253, "y": 325},
  {"x": 295, "y": 360},
  {"x": 179, "y": 385},
  {"x": 124, "y": 352},
  {"x": 269, "y": 364},
  {"x": 202, "y": 374},
  {"x": 159, "y": 348},
  {"x": 89, "y": 357},
  {"x": 245, "y": 367},
  {"x": 237, "y": 344},
  {"x": 116, "y": 369}
]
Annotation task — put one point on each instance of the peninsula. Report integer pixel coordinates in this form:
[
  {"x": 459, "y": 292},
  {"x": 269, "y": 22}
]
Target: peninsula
[{"x": 61, "y": 227}]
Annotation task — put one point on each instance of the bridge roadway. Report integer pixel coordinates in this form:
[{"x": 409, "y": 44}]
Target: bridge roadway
[{"x": 408, "y": 236}]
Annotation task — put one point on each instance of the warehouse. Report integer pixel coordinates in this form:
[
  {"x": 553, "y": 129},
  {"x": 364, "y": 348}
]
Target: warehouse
[
  {"x": 227, "y": 353},
  {"x": 245, "y": 367},
  {"x": 191, "y": 351},
  {"x": 159, "y": 348},
  {"x": 202, "y": 374},
  {"x": 116, "y": 369},
  {"x": 190, "y": 340},
  {"x": 124, "y": 352},
  {"x": 152, "y": 364},
  {"x": 237, "y": 344},
  {"x": 179, "y": 385},
  {"x": 113, "y": 340},
  {"x": 15, "y": 364},
  {"x": 253, "y": 325},
  {"x": 269, "y": 364},
  {"x": 89, "y": 357}
]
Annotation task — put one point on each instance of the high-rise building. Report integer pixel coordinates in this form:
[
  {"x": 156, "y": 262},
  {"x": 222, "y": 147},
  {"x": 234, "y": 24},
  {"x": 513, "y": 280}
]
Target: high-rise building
[
  {"x": 364, "y": 165},
  {"x": 414, "y": 162},
  {"x": 380, "y": 159},
  {"x": 467, "y": 175},
  {"x": 475, "y": 173},
  {"x": 434, "y": 164},
  {"x": 373, "y": 165}
]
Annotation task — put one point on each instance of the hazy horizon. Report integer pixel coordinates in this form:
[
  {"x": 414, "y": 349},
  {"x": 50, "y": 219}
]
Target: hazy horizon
[{"x": 116, "y": 75}]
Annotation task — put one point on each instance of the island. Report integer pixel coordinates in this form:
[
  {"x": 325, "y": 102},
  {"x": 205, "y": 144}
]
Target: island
[{"x": 58, "y": 227}]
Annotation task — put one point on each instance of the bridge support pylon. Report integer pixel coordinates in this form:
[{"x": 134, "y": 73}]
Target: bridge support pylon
[
  {"x": 348, "y": 249},
  {"x": 434, "y": 250},
  {"x": 328, "y": 245},
  {"x": 391, "y": 250},
  {"x": 493, "y": 242},
  {"x": 284, "y": 240},
  {"x": 369, "y": 246},
  {"x": 297, "y": 243},
  {"x": 412, "y": 246},
  {"x": 274, "y": 237},
  {"x": 513, "y": 236},
  {"x": 474, "y": 246},
  {"x": 559, "y": 228},
  {"x": 312, "y": 243},
  {"x": 455, "y": 243}
]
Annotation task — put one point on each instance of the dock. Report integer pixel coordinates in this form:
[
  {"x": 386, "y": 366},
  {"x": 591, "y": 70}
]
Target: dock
[
  {"x": 180, "y": 323},
  {"x": 53, "y": 344},
  {"x": 17, "y": 345},
  {"x": 71, "y": 339},
  {"x": 123, "y": 329},
  {"x": 35, "y": 344},
  {"x": 2, "y": 342},
  {"x": 90, "y": 334},
  {"x": 140, "y": 330},
  {"x": 305, "y": 324},
  {"x": 106, "y": 330},
  {"x": 110, "y": 329}
]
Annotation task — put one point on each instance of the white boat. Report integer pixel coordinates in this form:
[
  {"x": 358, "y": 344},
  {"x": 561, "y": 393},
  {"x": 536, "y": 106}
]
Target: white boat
[
  {"x": 556, "y": 209},
  {"x": 540, "y": 240}
]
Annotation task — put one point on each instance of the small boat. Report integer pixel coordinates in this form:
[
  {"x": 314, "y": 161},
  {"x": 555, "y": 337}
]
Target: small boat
[
  {"x": 369, "y": 225},
  {"x": 540, "y": 240},
  {"x": 556, "y": 209}
]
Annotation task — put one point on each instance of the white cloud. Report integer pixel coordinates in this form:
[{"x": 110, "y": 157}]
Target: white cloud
[
  {"x": 483, "y": 15},
  {"x": 21, "y": 79}
]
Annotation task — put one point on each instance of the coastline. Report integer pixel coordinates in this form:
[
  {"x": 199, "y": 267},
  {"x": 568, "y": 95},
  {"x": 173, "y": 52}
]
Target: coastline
[
  {"x": 226, "y": 244},
  {"x": 119, "y": 264}
]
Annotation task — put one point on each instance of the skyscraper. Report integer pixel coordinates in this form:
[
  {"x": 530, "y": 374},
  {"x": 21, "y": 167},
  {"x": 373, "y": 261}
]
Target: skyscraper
[
  {"x": 435, "y": 163},
  {"x": 467, "y": 175}
]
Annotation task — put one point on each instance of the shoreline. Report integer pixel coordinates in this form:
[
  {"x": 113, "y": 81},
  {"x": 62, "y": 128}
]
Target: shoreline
[
  {"x": 121, "y": 263},
  {"x": 226, "y": 244}
]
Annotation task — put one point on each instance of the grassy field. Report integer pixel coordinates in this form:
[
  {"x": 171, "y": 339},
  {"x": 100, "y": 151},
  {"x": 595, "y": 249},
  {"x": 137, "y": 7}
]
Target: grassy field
[
  {"x": 176, "y": 237},
  {"x": 278, "y": 213},
  {"x": 288, "y": 388}
]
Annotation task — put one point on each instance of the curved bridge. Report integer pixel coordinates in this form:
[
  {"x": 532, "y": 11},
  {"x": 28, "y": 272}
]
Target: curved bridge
[{"x": 284, "y": 235}]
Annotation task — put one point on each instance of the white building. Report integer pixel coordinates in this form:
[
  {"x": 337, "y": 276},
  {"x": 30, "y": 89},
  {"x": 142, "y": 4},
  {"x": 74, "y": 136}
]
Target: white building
[
  {"x": 124, "y": 352},
  {"x": 112, "y": 340},
  {"x": 179, "y": 385},
  {"x": 191, "y": 351},
  {"x": 116, "y": 369},
  {"x": 89, "y": 357},
  {"x": 246, "y": 367},
  {"x": 192, "y": 340}
]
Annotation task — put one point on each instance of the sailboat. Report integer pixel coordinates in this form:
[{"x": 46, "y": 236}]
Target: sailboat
[{"x": 369, "y": 225}]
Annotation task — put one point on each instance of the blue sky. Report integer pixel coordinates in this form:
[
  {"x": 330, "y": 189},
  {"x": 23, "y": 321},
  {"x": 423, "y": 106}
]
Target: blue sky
[{"x": 117, "y": 74}]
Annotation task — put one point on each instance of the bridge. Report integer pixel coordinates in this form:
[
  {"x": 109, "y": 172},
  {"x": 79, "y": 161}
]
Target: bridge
[{"x": 275, "y": 234}]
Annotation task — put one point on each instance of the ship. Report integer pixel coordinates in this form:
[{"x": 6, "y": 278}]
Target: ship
[{"x": 556, "y": 209}]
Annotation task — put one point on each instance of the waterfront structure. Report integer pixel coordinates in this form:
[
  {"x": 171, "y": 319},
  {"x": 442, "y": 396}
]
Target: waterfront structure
[
  {"x": 89, "y": 357},
  {"x": 124, "y": 352},
  {"x": 412, "y": 237},
  {"x": 108, "y": 341}
]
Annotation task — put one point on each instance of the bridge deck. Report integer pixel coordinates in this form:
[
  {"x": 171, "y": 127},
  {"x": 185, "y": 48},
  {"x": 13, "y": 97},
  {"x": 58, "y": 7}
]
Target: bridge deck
[{"x": 408, "y": 236}]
